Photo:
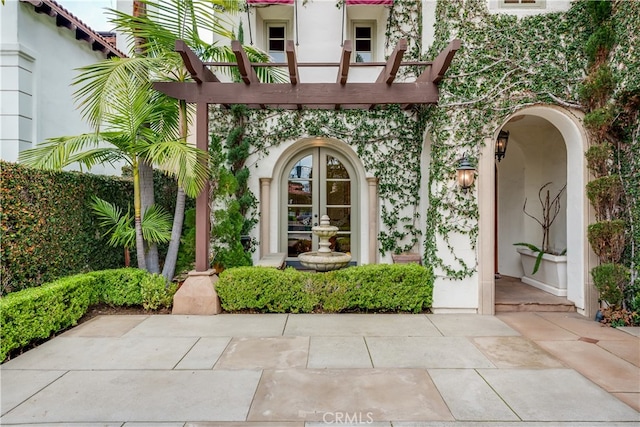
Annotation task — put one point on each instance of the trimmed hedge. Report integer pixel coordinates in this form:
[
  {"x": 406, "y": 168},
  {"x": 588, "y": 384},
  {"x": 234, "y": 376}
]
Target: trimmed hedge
[
  {"x": 380, "y": 287},
  {"x": 47, "y": 228},
  {"x": 36, "y": 313}
]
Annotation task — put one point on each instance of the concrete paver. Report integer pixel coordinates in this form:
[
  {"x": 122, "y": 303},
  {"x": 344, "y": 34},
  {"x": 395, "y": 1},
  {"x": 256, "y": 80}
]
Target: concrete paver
[
  {"x": 576, "y": 324},
  {"x": 82, "y": 353},
  {"x": 425, "y": 352},
  {"x": 227, "y": 325},
  {"x": 204, "y": 354},
  {"x": 154, "y": 395},
  {"x": 339, "y": 352},
  {"x": 106, "y": 326},
  {"x": 265, "y": 353},
  {"x": 471, "y": 325},
  {"x": 374, "y": 325},
  {"x": 515, "y": 352},
  {"x": 18, "y": 386},
  {"x": 367, "y": 394},
  {"x": 469, "y": 397},
  {"x": 555, "y": 395},
  {"x": 535, "y": 327},
  {"x": 513, "y": 370},
  {"x": 629, "y": 351},
  {"x": 612, "y": 373}
]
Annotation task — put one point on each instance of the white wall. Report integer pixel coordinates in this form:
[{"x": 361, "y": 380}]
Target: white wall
[
  {"x": 38, "y": 65},
  {"x": 536, "y": 154}
]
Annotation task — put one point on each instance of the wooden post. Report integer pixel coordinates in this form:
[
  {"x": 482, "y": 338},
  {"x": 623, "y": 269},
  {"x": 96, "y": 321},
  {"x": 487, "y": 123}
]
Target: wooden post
[{"x": 203, "y": 221}]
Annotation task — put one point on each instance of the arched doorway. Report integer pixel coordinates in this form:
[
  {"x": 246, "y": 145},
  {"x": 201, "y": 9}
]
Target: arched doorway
[
  {"x": 317, "y": 181},
  {"x": 536, "y": 159},
  {"x": 315, "y": 177}
]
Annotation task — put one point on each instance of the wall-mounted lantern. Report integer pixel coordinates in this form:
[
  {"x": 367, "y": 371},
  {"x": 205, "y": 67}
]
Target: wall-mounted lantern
[
  {"x": 465, "y": 174},
  {"x": 501, "y": 144}
]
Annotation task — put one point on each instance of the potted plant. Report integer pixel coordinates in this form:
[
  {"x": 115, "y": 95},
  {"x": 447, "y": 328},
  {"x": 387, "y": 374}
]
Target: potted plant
[{"x": 545, "y": 268}]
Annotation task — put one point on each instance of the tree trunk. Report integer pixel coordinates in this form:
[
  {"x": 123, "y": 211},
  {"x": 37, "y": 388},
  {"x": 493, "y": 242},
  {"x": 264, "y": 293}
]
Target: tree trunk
[
  {"x": 147, "y": 198},
  {"x": 137, "y": 217},
  {"x": 169, "y": 269}
]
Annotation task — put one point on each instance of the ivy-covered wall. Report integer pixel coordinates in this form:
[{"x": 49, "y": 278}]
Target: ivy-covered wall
[
  {"x": 505, "y": 64},
  {"x": 377, "y": 136}
]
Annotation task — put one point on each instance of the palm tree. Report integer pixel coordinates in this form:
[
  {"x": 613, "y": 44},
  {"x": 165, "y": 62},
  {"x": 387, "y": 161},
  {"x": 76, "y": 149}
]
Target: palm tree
[
  {"x": 133, "y": 123},
  {"x": 155, "y": 32}
]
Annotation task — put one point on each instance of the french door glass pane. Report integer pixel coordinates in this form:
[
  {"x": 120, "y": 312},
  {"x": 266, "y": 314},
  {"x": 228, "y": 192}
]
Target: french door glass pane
[
  {"x": 335, "y": 169},
  {"x": 300, "y": 207},
  {"x": 338, "y": 192}
]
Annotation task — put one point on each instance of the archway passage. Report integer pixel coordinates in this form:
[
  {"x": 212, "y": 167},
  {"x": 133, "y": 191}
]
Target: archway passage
[
  {"x": 208, "y": 89},
  {"x": 546, "y": 144}
]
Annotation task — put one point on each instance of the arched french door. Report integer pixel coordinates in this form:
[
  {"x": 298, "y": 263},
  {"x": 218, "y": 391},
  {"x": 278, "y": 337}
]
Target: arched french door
[{"x": 317, "y": 181}]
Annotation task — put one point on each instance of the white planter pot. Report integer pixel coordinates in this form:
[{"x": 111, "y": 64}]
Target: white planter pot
[{"x": 551, "y": 276}]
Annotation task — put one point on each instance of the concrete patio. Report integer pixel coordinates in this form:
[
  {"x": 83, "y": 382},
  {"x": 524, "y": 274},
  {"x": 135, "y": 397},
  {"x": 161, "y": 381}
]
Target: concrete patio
[{"x": 516, "y": 369}]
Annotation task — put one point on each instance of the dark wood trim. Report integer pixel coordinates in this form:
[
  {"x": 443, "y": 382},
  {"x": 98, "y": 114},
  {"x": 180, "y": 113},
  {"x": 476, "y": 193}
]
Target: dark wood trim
[
  {"x": 388, "y": 74},
  {"x": 203, "y": 213},
  {"x": 292, "y": 62},
  {"x": 247, "y": 73},
  {"x": 443, "y": 61},
  {"x": 192, "y": 63},
  {"x": 345, "y": 60},
  {"x": 305, "y": 94}
]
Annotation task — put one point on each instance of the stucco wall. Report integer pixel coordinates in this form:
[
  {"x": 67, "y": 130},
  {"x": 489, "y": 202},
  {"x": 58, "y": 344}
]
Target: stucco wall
[{"x": 39, "y": 62}]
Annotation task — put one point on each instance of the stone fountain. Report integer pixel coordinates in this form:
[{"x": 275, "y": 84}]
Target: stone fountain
[{"x": 324, "y": 259}]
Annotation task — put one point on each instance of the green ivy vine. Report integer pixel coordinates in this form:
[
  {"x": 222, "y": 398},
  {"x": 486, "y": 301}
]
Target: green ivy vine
[{"x": 505, "y": 64}]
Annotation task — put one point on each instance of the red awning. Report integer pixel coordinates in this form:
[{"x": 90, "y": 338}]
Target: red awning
[
  {"x": 250, "y": 2},
  {"x": 370, "y": 2}
]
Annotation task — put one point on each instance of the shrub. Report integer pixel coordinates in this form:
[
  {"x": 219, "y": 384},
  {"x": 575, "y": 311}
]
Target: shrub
[
  {"x": 119, "y": 287},
  {"x": 604, "y": 194},
  {"x": 154, "y": 292},
  {"x": 379, "y": 287},
  {"x": 266, "y": 290},
  {"x": 599, "y": 158},
  {"x": 382, "y": 287},
  {"x": 607, "y": 239},
  {"x": 611, "y": 280},
  {"x": 48, "y": 230},
  {"x": 36, "y": 313}
]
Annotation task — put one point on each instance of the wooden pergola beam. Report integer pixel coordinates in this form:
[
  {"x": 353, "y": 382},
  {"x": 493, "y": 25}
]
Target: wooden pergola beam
[
  {"x": 199, "y": 72},
  {"x": 296, "y": 95},
  {"x": 247, "y": 73},
  {"x": 345, "y": 59},
  {"x": 305, "y": 94},
  {"x": 441, "y": 64},
  {"x": 292, "y": 63},
  {"x": 388, "y": 73}
]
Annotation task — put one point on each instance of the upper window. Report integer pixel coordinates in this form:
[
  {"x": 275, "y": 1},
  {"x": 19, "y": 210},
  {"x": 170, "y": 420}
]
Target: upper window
[
  {"x": 364, "y": 41},
  {"x": 276, "y": 37},
  {"x": 522, "y": 3}
]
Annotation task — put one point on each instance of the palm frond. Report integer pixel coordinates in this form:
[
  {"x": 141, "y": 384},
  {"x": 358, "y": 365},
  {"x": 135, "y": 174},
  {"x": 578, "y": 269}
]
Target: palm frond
[
  {"x": 119, "y": 225},
  {"x": 156, "y": 225},
  {"x": 56, "y": 153},
  {"x": 101, "y": 85},
  {"x": 184, "y": 162},
  {"x": 169, "y": 20}
]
